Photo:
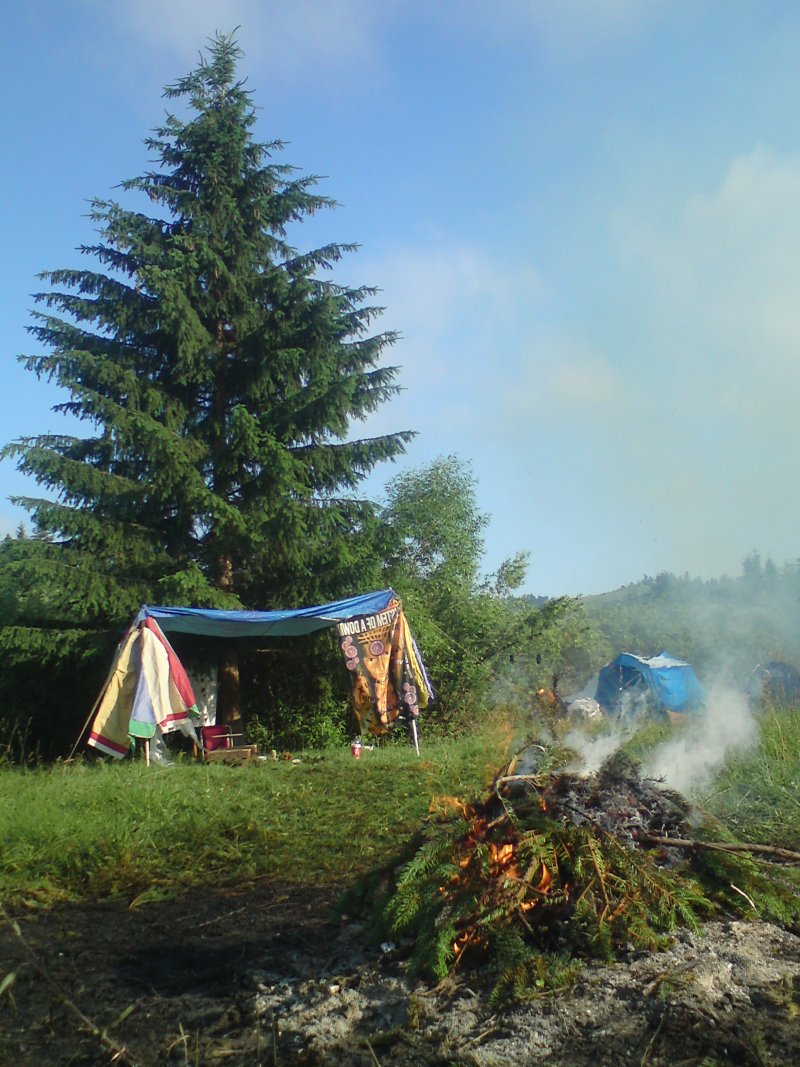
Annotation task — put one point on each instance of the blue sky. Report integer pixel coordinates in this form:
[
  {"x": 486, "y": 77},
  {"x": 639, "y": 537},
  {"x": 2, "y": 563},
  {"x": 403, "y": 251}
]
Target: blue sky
[{"x": 584, "y": 217}]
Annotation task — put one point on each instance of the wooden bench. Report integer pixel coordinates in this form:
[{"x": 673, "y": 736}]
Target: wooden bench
[{"x": 236, "y": 754}]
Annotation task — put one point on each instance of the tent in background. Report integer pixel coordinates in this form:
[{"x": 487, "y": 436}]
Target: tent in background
[
  {"x": 148, "y": 693},
  {"x": 773, "y": 683},
  {"x": 631, "y": 686}
]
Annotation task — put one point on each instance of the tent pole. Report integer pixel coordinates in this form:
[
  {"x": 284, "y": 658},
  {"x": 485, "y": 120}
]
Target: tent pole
[{"x": 414, "y": 734}]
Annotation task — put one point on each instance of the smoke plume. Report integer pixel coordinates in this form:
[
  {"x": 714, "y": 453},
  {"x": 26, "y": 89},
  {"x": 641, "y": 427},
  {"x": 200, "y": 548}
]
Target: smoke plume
[{"x": 690, "y": 761}]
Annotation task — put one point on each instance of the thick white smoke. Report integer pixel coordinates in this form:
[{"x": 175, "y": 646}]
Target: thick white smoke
[
  {"x": 690, "y": 761},
  {"x": 594, "y": 751}
]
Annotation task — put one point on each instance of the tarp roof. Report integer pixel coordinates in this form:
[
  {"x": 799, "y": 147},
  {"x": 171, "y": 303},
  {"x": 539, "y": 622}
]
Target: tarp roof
[{"x": 211, "y": 622}]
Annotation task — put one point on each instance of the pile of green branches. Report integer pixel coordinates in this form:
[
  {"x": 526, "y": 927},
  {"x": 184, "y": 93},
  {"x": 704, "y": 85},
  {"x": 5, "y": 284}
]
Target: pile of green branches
[{"x": 526, "y": 892}]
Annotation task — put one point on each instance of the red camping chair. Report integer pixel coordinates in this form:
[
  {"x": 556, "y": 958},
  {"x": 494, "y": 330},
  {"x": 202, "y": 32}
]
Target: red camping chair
[
  {"x": 213, "y": 738},
  {"x": 216, "y": 743}
]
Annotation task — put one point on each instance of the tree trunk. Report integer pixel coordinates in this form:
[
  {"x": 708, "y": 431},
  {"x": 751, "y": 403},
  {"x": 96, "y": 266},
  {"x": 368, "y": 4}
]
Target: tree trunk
[
  {"x": 229, "y": 702},
  {"x": 229, "y": 706}
]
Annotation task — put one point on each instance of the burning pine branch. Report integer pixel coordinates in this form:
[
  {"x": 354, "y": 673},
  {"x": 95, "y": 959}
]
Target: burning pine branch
[{"x": 546, "y": 868}]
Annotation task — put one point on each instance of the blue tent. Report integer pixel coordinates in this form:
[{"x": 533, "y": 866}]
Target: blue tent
[
  {"x": 773, "y": 683},
  {"x": 632, "y": 685}
]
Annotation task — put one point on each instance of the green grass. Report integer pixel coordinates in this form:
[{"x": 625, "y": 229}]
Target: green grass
[
  {"x": 81, "y": 832},
  {"x": 757, "y": 794},
  {"x": 125, "y": 830}
]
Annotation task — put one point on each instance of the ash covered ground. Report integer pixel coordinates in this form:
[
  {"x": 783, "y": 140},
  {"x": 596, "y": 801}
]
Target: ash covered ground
[
  {"x": 271, "y": 976},
  {"x": 274, "y": 976}
]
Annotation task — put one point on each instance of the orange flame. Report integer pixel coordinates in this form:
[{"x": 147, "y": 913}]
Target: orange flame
[
  {"x": 500, "y": 855},
  {"x": 545, "y": 881},
  {"x": 541, "y": 888},
  {"x": 461, "y": 942}
]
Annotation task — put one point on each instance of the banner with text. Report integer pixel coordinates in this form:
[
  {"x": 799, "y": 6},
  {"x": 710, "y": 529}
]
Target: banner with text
[{"x": 387, "y": 677}]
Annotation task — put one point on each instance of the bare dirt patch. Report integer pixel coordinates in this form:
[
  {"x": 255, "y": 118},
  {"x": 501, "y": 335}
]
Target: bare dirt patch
[{"x": 272, "y": 977}]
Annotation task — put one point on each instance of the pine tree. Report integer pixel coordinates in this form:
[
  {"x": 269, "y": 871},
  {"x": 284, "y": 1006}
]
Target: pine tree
[{"x": 219, "y": 370}]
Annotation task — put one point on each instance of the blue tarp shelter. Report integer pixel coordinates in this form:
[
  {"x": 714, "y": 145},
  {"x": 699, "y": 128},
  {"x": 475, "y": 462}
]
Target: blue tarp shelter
[
  {"x": 148, "y": 685},
  {"x": 632, "y": 685},
  {"x": 210, "y": 622}
]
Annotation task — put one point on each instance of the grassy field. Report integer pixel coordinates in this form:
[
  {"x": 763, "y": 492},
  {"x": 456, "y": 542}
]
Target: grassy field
[
  {"x": 90, "y": 832},
  {"x": 122, "y": 829},
  {"x": 757, "y": 794}
]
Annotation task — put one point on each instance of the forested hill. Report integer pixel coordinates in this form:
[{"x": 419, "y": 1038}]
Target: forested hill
[{"x": 725, "y": 625}]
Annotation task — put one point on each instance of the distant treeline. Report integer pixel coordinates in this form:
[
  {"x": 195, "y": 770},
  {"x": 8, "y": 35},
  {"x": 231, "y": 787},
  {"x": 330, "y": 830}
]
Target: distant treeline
[{"x": 724, "y": 626}]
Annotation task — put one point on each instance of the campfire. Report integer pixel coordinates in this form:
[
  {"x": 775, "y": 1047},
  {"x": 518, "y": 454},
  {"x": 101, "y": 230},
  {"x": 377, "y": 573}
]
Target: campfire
[
  {"x": 617, "y": 801},
  {"x": 568, "y": 863}
]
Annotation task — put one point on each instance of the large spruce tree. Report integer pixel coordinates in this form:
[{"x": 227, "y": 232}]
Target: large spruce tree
[{"x": 219, "y": 371}]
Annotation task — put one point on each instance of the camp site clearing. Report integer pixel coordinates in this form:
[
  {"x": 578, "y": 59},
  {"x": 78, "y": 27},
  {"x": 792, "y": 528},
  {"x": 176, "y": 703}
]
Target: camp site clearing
[{"x": 188, "y": 914}]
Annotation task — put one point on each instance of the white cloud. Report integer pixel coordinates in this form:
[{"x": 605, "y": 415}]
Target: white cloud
[
  {"x": 459, "y": 311},
  {"x": 290, "y": 40},
  {"x": 556, "y": 381},
  {"x": 670, "y": 422},
  {"x": 284, "y": 41},
  {"x": 712, "y": 306},
  {"x": 721, "y": 281},
  {"x": 584, "y": 20},
  {"x": 434, "y": 290},
  {"x": 575, "y": 378},
  {"x": 564, "y": 27}
]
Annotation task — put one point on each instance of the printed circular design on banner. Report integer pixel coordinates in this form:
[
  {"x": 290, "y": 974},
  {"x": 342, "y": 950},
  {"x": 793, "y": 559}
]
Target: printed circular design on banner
[
  {"x": 376, "y": 648},
  {"x": 352, "y": 664},
  {"x": 347, "y": 642}
]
